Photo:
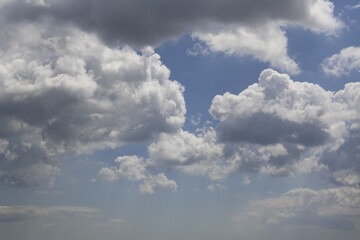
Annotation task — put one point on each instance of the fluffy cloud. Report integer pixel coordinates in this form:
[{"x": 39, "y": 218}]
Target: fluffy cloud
[
  {"x": 192, "y": 154},
  {"x": 267, "y": 43},
  {"x": 276, "y": 126},
  {"x": 279, "y": 126},
  {"x": 344, "y": 161},
  {"x": 330, "y": 208},
  {"x": 343, "y": 63},
  {"x": 135, "y": 169},
  {"x": 19, "y": 213},
  {"x": 64, "y": 92}
]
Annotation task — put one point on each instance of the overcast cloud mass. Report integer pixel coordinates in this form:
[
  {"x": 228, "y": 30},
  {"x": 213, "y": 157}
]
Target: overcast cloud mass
[{"x": 84, "y": 81}]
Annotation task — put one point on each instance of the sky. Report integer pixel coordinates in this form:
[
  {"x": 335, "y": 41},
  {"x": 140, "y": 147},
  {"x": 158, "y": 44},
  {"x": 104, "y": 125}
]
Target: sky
[{"x": 169, "y": 119}]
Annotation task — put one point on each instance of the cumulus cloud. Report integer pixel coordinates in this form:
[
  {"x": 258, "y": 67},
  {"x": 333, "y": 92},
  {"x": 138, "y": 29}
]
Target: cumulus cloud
[
  {"x": 267, "y": 43},
  {"x": 64, "y": 92},
  {"x": 344, "y": 161},
  {"x": 20, "y": 213},
  {"x": 279, "y": 126},
  {"x": 135, "y": 169},
  {"x": 192, "y": 154},
  {"x": 329, "y": 208},
  {"x": 69, "y": 85},
  {"x": 276, "y": 126},
  {"x": 342, "y": 63}
]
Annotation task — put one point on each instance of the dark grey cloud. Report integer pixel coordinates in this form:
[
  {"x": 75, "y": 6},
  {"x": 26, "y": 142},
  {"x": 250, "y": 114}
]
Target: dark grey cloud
[
  {"x": 265, "y": 129},
  {"x": 144, "y": 22},
  {"x": 334, "y": 222},
  {"x": 344, "y": 163}
]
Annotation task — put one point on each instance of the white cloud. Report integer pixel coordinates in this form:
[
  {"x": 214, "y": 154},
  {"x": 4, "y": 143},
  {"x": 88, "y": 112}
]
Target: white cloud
[
  {"x": 352, "y": 7},
  {"x": 276, "y": 126},
  {"x": 330, "y": 208},
  {"x": 135, "y": 169},
  {"x": 320, "y": 17},
  {"x": 194, "y": 155},
  {"x": 279, "y": 126},
  {"x": 64, "y": 92},
  {"x": 19, "y": 213},
  {"x": 198, "y": 49},
  {"x": 266, "y": 43},
  {"x": 152, "y": 182},
  {"x": 343, "y": 63}
]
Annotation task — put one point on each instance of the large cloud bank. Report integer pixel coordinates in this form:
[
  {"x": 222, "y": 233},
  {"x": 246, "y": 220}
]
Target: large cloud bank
[
  {"x": 68, "y": 88},
  {"x": 276, "y": 126},
  {"x": 64, "y": 92},
  {"x": 235, "y": 27}
]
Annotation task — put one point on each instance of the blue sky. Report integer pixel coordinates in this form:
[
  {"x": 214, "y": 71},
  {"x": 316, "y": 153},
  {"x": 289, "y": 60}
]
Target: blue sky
[{"x": 179, "y": 120}]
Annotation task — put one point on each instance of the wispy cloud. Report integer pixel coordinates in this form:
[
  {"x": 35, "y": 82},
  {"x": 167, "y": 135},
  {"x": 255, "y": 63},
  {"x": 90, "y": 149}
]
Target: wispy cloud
[
  {"x": 19, "y": 213},
  {"x": 353, "y": 6},
  {"x": 329, "y": 208}
]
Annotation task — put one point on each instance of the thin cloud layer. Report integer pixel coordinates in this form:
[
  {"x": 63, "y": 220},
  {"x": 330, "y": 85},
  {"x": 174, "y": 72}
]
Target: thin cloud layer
[
  {"x": 342, "y": 63},
  {"x": 20, "y": 213},
  {"x": 64, "y": 92},
  {"x": 329, "y": 208}
]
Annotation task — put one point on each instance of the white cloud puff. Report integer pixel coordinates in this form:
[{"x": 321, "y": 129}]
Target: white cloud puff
[
  {"x": 135, "y": 169},
  {"x": 342, "y": 63},
  {"x": 266, "y": 43},
  {"x": 194, "y": 155}
]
